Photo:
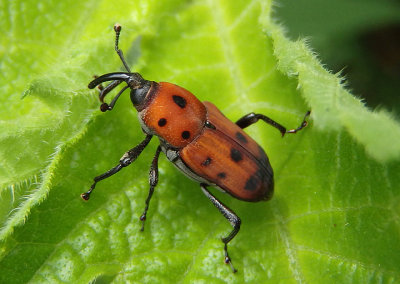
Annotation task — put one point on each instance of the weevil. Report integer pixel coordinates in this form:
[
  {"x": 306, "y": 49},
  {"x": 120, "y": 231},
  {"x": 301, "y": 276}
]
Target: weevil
[{"x": 197, "y": 138}]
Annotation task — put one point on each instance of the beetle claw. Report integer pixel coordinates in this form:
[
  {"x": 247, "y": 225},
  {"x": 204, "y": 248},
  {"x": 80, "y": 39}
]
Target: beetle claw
[
  {"x": 228, "y": 261},
  {"x": 104, "y": 107},
  {"x": 85, "y": 196},
  {"x": 143, "y": 219}
]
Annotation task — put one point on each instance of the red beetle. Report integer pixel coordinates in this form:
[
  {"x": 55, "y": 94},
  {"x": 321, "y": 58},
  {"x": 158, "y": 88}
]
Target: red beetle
[{"x": 197, "y": 138}]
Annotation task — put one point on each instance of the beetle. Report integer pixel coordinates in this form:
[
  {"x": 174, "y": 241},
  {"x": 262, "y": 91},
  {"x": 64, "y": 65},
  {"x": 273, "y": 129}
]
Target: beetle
[{"x": 197, "y": 138}]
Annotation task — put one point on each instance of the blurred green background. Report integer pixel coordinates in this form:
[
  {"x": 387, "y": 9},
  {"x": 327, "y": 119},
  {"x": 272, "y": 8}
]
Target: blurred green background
[{"x": 358, "y": 38}]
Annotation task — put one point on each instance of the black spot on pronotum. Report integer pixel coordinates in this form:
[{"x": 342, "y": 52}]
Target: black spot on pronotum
[
  {"x": 221, "y": 175},
  {"x": 162, "y": 122},
  {"x": 185, "y": 134},
  {"x": 241, "y": 137},
  {"x": 181, "y": 102},
  {"x": 206, "y": 162},
  {"x": 236, "y": 155},
  {"x": 252, "y": 183}
]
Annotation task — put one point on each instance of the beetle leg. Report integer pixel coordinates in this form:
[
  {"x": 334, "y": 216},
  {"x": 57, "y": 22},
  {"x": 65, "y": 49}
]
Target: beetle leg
[
  {"x": 252, "y": 118},
  {"x": 153, "y": 180},
  {"x": 104, "y": 106},
  {"x": 103, "y": 91},
  {"x": 230, "y": 216},
  {"x": 302, "y": 125},
  {"x": 126, "y": 160}
]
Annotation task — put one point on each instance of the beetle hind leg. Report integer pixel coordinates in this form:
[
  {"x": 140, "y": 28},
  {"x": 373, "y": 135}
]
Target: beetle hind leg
[
  {"x": 252, "y": 118},
  {"x": 231, "y": 217},
  {"x": 153, "y": 180}
]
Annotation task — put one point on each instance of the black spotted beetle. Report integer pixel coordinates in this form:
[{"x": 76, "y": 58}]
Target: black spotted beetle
[{"x": 197, "y": 138}]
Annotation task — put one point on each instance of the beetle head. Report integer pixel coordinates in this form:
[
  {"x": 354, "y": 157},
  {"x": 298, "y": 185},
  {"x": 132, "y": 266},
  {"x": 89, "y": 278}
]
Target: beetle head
[{"x": 139, "y": 88}]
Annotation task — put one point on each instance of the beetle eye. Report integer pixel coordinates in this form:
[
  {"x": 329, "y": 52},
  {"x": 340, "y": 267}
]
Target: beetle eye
[{"x": 138, "y": 95}]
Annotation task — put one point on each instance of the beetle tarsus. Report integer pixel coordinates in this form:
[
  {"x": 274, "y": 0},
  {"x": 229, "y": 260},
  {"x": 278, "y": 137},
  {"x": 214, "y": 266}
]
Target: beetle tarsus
[
  {"x": 230, "y": 216},
  {"x": 104, "y": 107},
  {"x": 228, "y": 259},
  {"x": 303, "y": 124},
  {"x": 143, "y": 219},
  {"x": 85, "y": 196}
]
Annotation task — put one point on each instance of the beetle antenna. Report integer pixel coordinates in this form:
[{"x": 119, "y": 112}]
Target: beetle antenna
[{"x": 117, "y": 29}]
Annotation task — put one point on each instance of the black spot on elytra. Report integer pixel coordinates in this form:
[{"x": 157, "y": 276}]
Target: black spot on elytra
[
  {"x": 206, "y": 162},
  {"x": 221, "y": 175},
  {"x": 252, "y": 183},
  {"x": 162, "y": 122},
  {"x": 263, "y": 158},
  {"x": 236, "y": 155},
  {"x": 181, "y": 102},
  {"x": 241, "y": 137},
  {"x": 185, "y": 134}
]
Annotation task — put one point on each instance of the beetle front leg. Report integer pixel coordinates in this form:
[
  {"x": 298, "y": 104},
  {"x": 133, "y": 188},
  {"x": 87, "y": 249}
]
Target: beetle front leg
[
  {"x": 125, "y": 161},
  {"x": 252, "y": 118},
  {"x": 230, "y": 216},
  {"x": 103, "y": 91},
  {"x": 153, "y": 180}
]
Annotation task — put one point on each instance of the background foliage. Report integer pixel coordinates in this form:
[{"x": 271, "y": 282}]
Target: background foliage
[
  {"x": 335, "y": 214},
  {"x": 361, "y": 39}
]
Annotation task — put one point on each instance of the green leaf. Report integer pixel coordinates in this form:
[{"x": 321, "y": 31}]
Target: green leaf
[
  {"x": 335, "y": 214},
  {"x": 349, "y": 44}
]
